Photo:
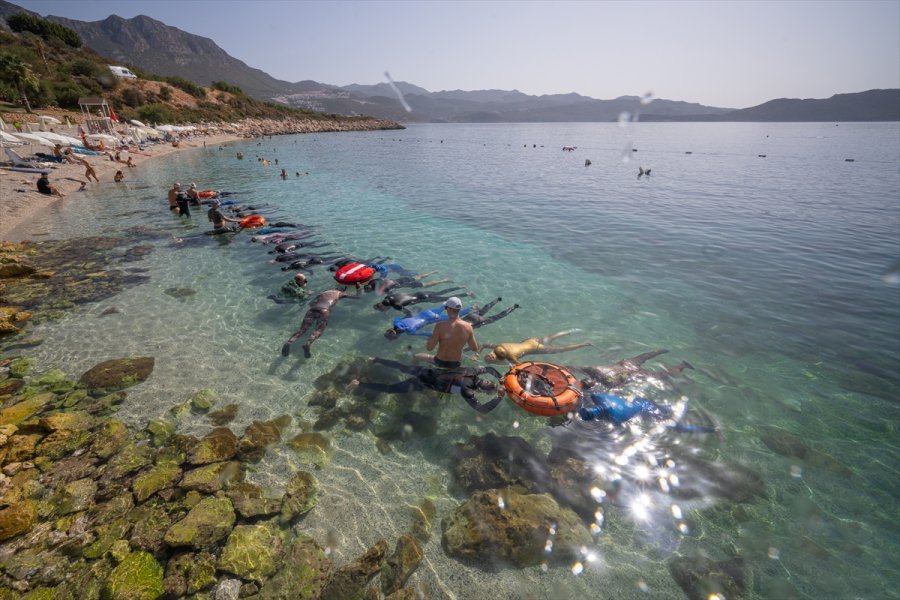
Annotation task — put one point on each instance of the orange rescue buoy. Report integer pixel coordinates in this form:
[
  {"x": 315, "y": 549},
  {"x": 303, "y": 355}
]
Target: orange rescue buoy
[
  {"x": 542, "y": 388},
  {"x": 252, "y": 221},
  {"x": 354, "y": 273}
]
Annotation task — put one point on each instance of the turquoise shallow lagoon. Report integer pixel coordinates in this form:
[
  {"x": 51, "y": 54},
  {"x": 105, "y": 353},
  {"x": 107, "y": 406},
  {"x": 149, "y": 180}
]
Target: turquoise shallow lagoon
[{"x": 775, "y": 277}]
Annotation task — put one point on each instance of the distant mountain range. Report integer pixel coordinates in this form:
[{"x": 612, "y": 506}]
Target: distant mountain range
[{"x": 153, "y": 46}]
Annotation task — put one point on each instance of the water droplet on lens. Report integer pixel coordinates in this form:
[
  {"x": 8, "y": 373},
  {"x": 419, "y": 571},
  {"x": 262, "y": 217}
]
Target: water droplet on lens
[
  {"x": 647, "y": 98},
  {"x": 624, "y": 118}
]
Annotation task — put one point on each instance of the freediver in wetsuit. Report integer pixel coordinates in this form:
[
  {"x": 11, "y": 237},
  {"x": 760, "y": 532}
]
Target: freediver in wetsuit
[
  {"x": 513, "y": 351},
  {"x": 286, "y": 247},
  {"x": 476, "y": 316},
  {"x": 382, "y": 286},
  {"x": 627, "y": 369},
  {"x": 412, "y": 325},
  {"x": 295, "y": 256},
  {"x": 465, "y": 380},
  {"x": 619, "y": 410},
  {"x": 401, "y": 300},
  {"x": 319, "y": 313},
  {"x": 306, "y": 263}
]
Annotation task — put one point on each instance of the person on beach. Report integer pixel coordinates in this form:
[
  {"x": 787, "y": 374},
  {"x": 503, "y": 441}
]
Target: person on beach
[
  {"x": 118, "y": 177},
  {"x": 629, "y": 369},
  {"x": 400, "y": 300},
  {"x": 513, "y": 351},
  {"x": 466, "y": 381},
  {"x": 451, "y": 336},
  {"x": 129, "y": 163},
  {"x": 88, "y": 170},
  {"x": 293, "y": 291},
  {"x": 318, "y": 314},
  {"x": 58, "y": 153},
  {"x": 218, "y": 220},
  {"x": 44, "y": 187}
]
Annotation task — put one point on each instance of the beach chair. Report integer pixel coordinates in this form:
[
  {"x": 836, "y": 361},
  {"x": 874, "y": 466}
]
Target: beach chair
[{"x": 18, "y": 161}]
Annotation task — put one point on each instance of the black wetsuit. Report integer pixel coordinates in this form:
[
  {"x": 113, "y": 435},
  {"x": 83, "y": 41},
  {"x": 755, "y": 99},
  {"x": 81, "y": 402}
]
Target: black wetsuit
[
  {"x": 305, "y": 263},
  {"x": 319, "y": 312},
  {"x": 401, "y": 300},
  {"x": 464, "y": 380},
  {"x": 184, "y": 209},
  {"x": 476, "y": 315}
]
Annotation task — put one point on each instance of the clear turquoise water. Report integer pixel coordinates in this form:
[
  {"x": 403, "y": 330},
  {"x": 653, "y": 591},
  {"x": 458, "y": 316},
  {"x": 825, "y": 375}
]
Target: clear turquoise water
[{"x": 775, "y": 277}]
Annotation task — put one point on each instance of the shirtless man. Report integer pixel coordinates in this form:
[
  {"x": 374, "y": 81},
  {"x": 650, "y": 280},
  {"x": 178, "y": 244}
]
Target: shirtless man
[
  {"x": 451, "y": 336},
  {"x": 318, "y": 313},
  {"x": 173, "y": 196},
  {"x": 512, "y": 352}
]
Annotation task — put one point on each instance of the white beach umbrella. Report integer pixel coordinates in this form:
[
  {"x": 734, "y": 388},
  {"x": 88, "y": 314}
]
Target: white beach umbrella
[
  {"x": 35, "y": 139},
  {"x": 2, "y": 124},
  {"x": 55, "y": 137},
  {"x": 103, "y": 136},
  {"x": 166, "y": 128},
  {"x": 49, "y": 119},
  {"x": 10, "y": 138},
  {"x": 137, "y": 123}
]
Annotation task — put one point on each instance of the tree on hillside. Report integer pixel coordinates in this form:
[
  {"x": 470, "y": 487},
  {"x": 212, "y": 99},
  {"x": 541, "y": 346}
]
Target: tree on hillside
[
  {"x": 18, "y": 74},
  {"x": 24, "y": 22}
]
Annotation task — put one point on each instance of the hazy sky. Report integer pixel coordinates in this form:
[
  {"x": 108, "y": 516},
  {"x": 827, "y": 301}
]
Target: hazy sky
[{"x": 727, "y": 53}]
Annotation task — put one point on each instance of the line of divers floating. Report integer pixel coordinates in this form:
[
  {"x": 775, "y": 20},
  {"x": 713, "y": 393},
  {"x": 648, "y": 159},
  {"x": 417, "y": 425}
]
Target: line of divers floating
[{"x": 540, "y": 388}]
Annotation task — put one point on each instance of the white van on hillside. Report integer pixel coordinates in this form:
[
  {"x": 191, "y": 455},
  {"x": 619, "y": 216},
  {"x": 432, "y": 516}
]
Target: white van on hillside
[{"x": 122, "y": 72}]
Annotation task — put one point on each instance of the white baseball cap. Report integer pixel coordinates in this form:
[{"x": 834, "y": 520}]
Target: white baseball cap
[{"x": 454, "y": 303}]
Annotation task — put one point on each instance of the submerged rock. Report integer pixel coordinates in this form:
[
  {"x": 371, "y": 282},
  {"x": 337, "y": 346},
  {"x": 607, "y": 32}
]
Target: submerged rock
[
  {"x": 401, "y": 564},
  {"x": 118, "y": 373},
  {"x": 493, "y": 528},
  {"x": 349, "y": 582},
  {"x": 311, "y": 448},
  {"x": 300, "y": 496},
  {"x": 180, "y": 293},
  {"x": 257, "y": 437},
  {"x": 305, "y": 570},
  {"x": 137, "y": 577},
  {"x": 252, "y": 552},
  {"x": 217, "y": 445},
  {"x": 25, "y": 409},
  {"x": 224, "y": 415},
  {"x": 203, "y": 400},
  {"x": 155, "y": 479},
  {"x": 207, "y": 523},
  {"x": 212, "y": 478},
  {"x": 492, "y": 462},
  {"x": 189, "y": 573},
  {"x": 251, "y": 501},
  {"x": 702, "y": 578},
  {"x": 791, "y": 446}
]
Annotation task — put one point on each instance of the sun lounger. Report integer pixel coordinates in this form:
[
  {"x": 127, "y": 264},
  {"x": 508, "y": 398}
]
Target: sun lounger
[{"x": 18, "y": 161}]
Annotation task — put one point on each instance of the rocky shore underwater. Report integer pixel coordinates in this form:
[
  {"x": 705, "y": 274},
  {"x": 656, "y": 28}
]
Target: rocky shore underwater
[{"x": 94, "y": 507}]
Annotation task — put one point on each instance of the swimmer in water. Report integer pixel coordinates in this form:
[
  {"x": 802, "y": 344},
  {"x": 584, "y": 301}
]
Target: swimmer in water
[
  {"x": 513, "y": 351},
  {"x": 318, "y": 314}
]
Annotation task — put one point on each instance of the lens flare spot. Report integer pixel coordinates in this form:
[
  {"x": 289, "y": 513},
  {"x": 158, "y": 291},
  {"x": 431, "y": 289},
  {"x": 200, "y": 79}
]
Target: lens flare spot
[
  {"x": 598, "y": 494},
  {"x": 683, "y": 528},
  {"x": 501, "y": 503},
  {"x": 642, "y": 585},
  {"x": 642, "y": 472},
  {"x": 515, "y": 424},
  {"x": 676, "y": 512},
  {"x": 796, "y": 471},
  {"x": 548, "y": 546},
  {"x": 774, "y": 553},
  {"x": 577, "y": 568}
]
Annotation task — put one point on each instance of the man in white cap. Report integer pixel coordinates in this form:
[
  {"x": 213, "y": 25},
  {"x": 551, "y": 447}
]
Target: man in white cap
[
  {"x": 173, "y": 196},
  {"x": 450, "y": 337}
]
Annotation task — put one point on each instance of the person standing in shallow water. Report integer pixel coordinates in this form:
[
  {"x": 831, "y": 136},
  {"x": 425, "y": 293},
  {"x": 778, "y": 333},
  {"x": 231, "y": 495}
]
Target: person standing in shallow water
[{"x": 450, "y": 337}]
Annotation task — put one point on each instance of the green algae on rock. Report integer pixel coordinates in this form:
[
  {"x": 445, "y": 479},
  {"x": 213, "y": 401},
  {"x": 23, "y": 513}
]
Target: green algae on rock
[
  {"x": 137, "y": 577},
  {"x": 349, "y": 582},
  {"x": 118, "y": 373},
  {"x": 207, "y": 523},
  {"x": 300, "y": 496},
  {"x": 213, "y": 477},
  {"x": 251, "y": 501},
  {"x": 217, "y": 445},
  {"x": 401, "y": 564},
  {"x": 189, "y": 573},
  {"x": 311, "y": 448},
  {"x": 252, "y": 552},
  {"x": 305, "y": 571},
  {"x": 17, "y": 519},
  {"x": 494, "y": 527},
  {"x": 155, "y": 479}
]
